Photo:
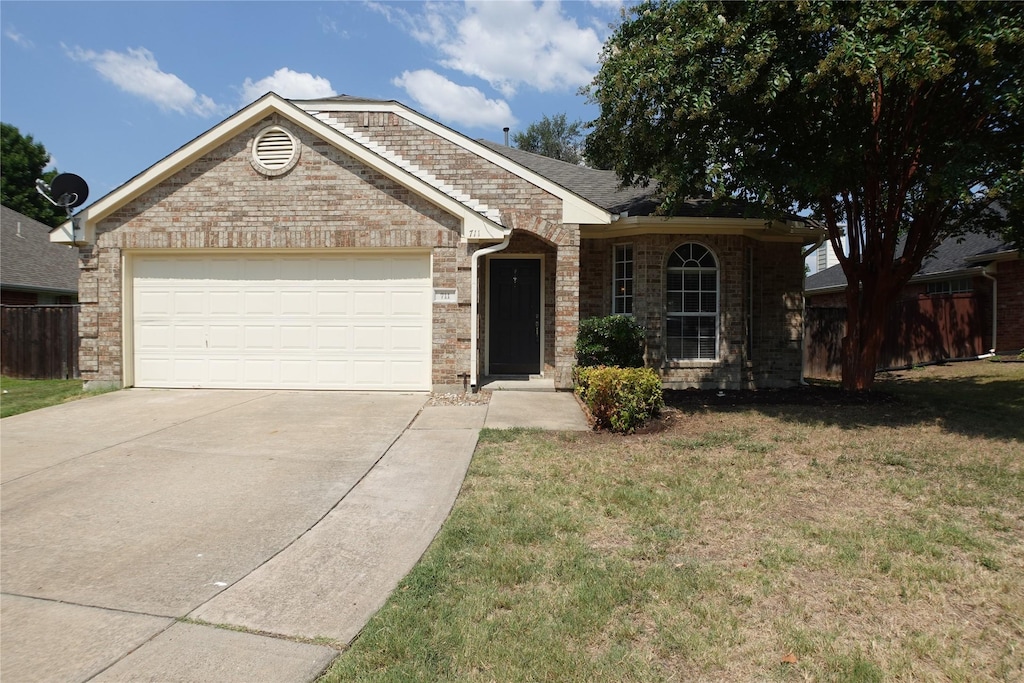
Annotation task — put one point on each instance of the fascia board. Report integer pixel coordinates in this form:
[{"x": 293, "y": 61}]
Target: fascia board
[
  {"x": 475, "y": 226},
  {"x": 1005, "y": 255},
  {"x": 778, "y": 231},
  {"x": 575, "y": 209}
]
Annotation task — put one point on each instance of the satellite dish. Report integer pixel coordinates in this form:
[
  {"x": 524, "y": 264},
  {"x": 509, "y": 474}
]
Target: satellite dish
[{"x": 69, "y": 190}]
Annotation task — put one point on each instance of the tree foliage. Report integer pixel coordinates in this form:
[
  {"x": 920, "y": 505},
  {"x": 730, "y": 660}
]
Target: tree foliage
[
  {"x": 901, "y": 119},
  {"x": 22, "y": 161},
  {"x": 553, "y": 137}
]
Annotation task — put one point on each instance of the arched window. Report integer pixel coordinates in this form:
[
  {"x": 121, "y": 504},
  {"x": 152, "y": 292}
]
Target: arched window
[{"x": 691, "y": 315}]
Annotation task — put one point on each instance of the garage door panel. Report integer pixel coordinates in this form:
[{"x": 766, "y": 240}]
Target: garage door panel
[
  {"x": 332, "y": 303},
  {"x": 369, "y": 303},
  {"x": 332, "y": 338},
  {"x": 297, "y": 303},
  {"x": 154, "y": 337},
  {"x": 224, "y": 302},
  {"x": 226, "y": 372},
  {"x": 259, "y": 371},
  {"x": 369, "y": 338},
  {"x": 152, "y": 303},
  {"x": 259, "y": 269},
  {"x": 334, "y": 372},
  {"x": 406, "y": 373},
  {"x": 189, "y": 337},
  {"x": 224, "y": 337},
  {"x": 406, "y": 338},
  {"x": 296, "y": 337},
  {"x": 262, "y": 303},
  {"x": 283, "y": 321},
  {"x": 410, "y": 268},
  {"x": 189, "y": 303},
  {"x": 260, "y": 338},
  {"x": 407, "y": 303},
  {"x": 188, "y": 371}
]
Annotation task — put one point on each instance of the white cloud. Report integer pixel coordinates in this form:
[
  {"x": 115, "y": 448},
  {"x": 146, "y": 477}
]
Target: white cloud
[
  {"x": 137, "y": 72},
  {"x": 454, "y": 103},
  {"x": 288, "y": 84},
  {"x": 507, "y": 44},
  {"x": 18, "y": 38}
]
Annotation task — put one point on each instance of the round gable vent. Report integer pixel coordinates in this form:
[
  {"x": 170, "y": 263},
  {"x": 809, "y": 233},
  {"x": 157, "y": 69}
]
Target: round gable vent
[{"x": 274, "y": 151}]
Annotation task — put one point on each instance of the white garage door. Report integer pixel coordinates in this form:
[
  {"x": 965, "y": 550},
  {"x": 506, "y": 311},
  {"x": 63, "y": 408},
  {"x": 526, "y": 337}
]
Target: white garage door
[{"x": 356, "y": 321}]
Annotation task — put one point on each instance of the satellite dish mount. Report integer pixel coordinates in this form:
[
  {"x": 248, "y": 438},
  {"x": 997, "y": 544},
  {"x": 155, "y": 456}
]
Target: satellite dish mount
[{"x": 67, "y": 191}]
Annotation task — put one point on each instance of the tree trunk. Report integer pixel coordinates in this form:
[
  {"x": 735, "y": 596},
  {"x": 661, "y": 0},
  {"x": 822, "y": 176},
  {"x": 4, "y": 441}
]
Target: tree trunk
[{"x": 865, "y": 331}]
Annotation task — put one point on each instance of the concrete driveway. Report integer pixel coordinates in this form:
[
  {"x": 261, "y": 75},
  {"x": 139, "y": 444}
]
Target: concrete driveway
[{"x": 134, "y": 522}]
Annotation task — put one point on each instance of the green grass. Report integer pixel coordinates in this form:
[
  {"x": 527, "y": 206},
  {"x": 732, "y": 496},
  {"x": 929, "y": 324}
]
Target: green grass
[
  {"x": 873, "y": 542},
  {"x": 23, "y": 395}
]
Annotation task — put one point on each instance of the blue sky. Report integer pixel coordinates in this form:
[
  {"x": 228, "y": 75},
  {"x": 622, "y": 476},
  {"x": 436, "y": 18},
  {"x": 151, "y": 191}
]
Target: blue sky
[{"x": 110, "y": 88}]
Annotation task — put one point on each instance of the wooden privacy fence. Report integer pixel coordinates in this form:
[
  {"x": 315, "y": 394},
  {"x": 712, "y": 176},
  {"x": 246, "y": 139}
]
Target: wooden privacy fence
[
  {"x": 921, "y": 330},
  {"x": 39, "y": 342}
]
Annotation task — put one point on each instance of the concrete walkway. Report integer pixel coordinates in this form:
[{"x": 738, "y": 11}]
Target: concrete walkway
[{"x": 136, "y": 524}]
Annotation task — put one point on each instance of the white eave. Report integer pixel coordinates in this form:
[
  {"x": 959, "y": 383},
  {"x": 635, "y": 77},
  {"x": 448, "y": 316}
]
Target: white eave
[
  {"x": 475, "y": 226},
  {"x": 756, "y": 228},
  {"x": 575, "y": 209}
]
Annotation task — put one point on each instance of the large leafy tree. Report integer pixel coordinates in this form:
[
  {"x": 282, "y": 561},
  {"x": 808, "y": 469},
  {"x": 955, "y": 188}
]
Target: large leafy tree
[
  {"x": 22, "y": 161},
  {"x": 901, "y": 119},
  {"x": 553, "y": 137}
]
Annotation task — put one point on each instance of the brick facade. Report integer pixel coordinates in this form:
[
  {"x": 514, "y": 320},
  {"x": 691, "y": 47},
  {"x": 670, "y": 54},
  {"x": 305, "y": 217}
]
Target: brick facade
[
  {"x": 760, "y": 307},
  {"x": 330, "y": 201}
]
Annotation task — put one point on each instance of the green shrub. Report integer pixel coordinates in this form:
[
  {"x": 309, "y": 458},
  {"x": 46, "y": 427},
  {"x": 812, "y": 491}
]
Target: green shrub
[
  {"x": 612, "y": 340},
  {"x": 620, "y": 399}
]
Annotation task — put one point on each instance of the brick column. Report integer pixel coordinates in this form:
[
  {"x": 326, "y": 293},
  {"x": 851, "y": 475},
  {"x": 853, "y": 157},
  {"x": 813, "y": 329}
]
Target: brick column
[{"x": 567, "y": 309}]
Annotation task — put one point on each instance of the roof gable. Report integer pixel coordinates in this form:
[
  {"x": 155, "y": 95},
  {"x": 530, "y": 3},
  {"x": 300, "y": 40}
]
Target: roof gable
[
  {"x": 474, "y": 224},
  {"x": 575, "y": 207}
]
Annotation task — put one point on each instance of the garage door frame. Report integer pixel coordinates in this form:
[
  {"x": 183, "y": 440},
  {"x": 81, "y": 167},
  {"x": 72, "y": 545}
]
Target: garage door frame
[{"x": 129, "y": 258}]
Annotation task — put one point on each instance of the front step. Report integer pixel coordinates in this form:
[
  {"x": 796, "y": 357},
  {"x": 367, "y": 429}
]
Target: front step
[{"x": 517, "y": 383}]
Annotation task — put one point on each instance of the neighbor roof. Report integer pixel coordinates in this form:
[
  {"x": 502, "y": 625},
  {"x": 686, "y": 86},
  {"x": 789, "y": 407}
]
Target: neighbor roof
[
  {"x": 28, "y": 260},
  {"x": 955, "y": 255}
]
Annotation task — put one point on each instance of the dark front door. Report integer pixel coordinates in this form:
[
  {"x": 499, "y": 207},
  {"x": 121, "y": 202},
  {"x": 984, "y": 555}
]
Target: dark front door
[{"x": 514, "y": 308}]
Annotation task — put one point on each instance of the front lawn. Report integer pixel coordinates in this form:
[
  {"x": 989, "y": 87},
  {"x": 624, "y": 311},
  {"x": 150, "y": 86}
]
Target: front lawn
[
  {"x": 23, "y": 395},
  {"x": 866, "y": 541}
]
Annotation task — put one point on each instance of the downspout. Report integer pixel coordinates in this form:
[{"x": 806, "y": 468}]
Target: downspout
[
  {"x": 995, "y": 289},
  {"x": 474, "y": 295}
]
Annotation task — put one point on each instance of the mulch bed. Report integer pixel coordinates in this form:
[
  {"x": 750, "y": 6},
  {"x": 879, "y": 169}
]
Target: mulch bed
[{"x": 813, "y": 395}]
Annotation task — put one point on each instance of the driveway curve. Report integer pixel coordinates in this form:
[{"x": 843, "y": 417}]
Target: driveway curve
[{"x": 134, "y": 521}]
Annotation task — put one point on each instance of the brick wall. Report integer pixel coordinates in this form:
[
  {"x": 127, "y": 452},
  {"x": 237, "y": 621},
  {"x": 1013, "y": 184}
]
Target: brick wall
[
  {"x": 331, "y": 201},
  {"x": 773, "y": 306},
  {"x": 1010, "y": 306},
  {"x": 327, "y": 201}
]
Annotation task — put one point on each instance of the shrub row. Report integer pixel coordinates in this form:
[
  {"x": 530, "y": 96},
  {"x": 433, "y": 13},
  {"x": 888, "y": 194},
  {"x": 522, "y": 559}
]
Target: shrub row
[{"x": 620, "y": 399}]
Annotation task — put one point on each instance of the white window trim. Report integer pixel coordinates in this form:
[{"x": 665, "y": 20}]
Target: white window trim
[
  {"x": 615, "y": 279},
  {"x": 679, "y": 362}
]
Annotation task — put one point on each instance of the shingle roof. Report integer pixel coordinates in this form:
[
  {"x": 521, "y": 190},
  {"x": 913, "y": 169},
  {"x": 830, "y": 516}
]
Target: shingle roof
[
  {"x": 28, "y": 259},
  {"x": 603, "y": 188},
  {"x": 952, "y": 256},
  {"x": 596, "y": 186}
]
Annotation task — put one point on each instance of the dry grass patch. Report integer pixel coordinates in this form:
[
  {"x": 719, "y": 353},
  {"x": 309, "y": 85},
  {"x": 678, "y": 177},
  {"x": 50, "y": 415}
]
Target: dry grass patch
[{"x": 874, "y": 541}]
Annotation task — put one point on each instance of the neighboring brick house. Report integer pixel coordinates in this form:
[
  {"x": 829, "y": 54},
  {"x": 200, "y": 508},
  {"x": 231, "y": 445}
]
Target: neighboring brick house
[
  {"x": 34, "y": 271},
  {"x": 958, "y": 283},
  {"x": 348, "y": 243}
]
